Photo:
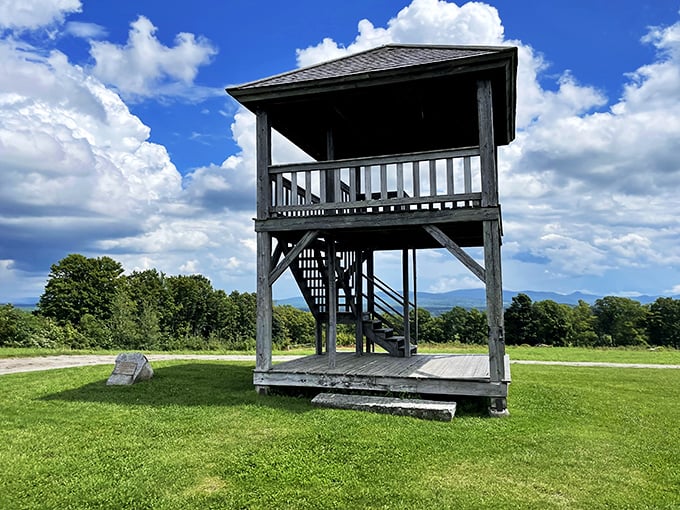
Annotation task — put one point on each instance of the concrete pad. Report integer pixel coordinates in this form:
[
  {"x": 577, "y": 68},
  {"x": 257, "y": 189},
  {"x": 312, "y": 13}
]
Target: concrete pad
[{"x": 424, "y": 409}]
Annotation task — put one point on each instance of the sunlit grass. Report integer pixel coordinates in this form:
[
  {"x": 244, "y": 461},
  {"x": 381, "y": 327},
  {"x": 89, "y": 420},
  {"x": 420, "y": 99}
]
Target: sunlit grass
[{"x": 197, "y": 436}]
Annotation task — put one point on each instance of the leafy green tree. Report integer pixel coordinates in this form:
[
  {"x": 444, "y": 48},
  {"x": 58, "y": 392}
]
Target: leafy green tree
[
  {"x": 582, "y": 331},
  {"x": 191, "y": 296},
  {"x": 78, "y": 286},
  {"x": 553, "y": 322},
  {"x": 663, "y": 322},
  {"x": 619, "y": 321},
  {"x": 465, "y": 326},
  {"x": 520, "y": 321}
]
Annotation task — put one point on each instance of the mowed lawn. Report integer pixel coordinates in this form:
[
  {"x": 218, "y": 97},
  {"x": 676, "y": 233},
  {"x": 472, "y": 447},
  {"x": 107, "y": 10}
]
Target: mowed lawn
[{"x": 197, "y": 436}]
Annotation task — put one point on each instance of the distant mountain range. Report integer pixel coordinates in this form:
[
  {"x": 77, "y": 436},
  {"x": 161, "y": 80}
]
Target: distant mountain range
[{"x": 437, "y": 303}]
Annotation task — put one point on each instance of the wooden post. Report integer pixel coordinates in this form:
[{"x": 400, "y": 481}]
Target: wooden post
[
  {"x": 318, "y": 337},
  {"x": 487, "y": 148},
  {"x": 359, "y": 303},
  {"x": 370, "y": 292},
  {"x": 263, "y": 361},
  {"x": 407, "y": 322},
  {"x": 416, "y": 325},
  {"x": 494, "y": 305},
  {"x": 332, "y": 304},
  {"x": 330, "y": 173}
]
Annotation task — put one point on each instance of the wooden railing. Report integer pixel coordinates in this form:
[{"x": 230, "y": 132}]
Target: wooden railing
[{"x": 405, "y": 182}]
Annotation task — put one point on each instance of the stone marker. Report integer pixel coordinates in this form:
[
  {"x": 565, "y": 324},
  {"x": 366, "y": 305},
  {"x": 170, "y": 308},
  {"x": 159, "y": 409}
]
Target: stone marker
[
  {"x": 417, "y": 408},
  {"x": 131, "y": 367}
]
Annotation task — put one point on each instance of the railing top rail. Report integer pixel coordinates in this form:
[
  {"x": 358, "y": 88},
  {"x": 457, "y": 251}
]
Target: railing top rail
[{"x": 377, "y": 160}]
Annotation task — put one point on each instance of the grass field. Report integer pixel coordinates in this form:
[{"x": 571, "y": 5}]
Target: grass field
[
  {"x": 197, "y": 436},
  {"x": 611, "y": 355}
]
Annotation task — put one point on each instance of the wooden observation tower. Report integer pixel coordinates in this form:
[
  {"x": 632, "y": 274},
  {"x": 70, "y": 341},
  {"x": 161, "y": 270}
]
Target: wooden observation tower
[{"x": 404, "y": 141}]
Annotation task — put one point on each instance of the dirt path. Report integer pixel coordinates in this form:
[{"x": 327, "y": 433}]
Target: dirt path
[{"x": 13, "y": 365}]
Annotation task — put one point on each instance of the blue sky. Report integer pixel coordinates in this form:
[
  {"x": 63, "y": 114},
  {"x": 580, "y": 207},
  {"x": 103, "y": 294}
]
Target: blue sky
[{"x": 117, "y": 138}]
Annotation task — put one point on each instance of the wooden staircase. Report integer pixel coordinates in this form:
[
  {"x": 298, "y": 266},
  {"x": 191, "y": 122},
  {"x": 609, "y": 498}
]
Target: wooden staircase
[
  {"x": 311, "y": 274},
  {"x": 385, "y": 337}
]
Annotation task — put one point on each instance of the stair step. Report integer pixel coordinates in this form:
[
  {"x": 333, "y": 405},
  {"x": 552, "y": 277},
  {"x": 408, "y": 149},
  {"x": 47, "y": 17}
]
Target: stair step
[{"x": 417, "y": 408}]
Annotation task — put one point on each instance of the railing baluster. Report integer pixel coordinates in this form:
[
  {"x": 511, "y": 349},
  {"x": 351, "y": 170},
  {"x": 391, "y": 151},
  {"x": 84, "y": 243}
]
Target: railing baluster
[
  {"x": 383, "y": 182},
  {"x": 400, "y": 180},
  {"x": 467, "y": 177},
  {"x": 433, "y": 178},
  {"x": 279, "y": 189},
  {"x": 308, "y": 187},
  {"x": 294, "y": 188},
  {"x": 368, "y": 192},
  {"x": 416, "y": 181},
  {"x": 322, "y": 186},
  {"x": 449, "y": 176}
]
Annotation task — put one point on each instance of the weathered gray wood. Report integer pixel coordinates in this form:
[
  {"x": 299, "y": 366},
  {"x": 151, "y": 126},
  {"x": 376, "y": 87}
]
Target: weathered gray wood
[
  {"x": 415, "y": 297},
  {"x": 416, "y": 408},
  {"x": 332, "y": 301},
  {"x": 467, "y": 175},
  {"x": 406, "y": 310},
  {"x": 429, "y": 374},
  {"x": 383, "y": 181},
  {"x": 400, "y": 180},
  {"x": 433, "y": 177},
  {"x": 263, "y": 344},
  {"x": 359, "y": 306},
  {"x": 318, "y": 337},
  {"x": 368, "y": 187},
  {"x": 456, "y": 251},
  {"x": 263, "y": 160},
  {"x": 392, "y": 202},
  {"x": 308, "y": 187},
  {"x": 494, "y": 299},
  {"x": 408, "y": 218},
  {"x": 291, "y": 255},
  {"x": 371, "y": 161},
  {"x": 416, "y": 179},
  {"x": 449, "y": 176},
  {"x": 487, "y": 147}
]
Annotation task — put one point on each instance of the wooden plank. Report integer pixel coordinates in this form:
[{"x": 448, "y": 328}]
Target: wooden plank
[
  {"x": 332, "y": 302},
  {"x": 456, "y": 251},
  {"x": 308, "y": 187},
  {"x": 487, "y": 147},
  {"x": 400, "y": 180},
  {"x": 383, "y": 181},
  {"x": 292, "y": 254},
  {"x": 434, "y": 386},
  {"x": 467, "y": 197},
  {"x": 494, "y": 300},
  {"x": 416, "y": 179},
  {"x": 433, "y": 178},
  {"x": 263, "y": 343},
  {"x": 374, "y": 161},
  {"x": 401, "y": 218},
  {"x": 467, "y": 175},
  {"x": 449, "y": 176},
  {"x": 263, "y": 160},
  {"x": 405, "y": 312},
  {"x": 368, "y": 187}
]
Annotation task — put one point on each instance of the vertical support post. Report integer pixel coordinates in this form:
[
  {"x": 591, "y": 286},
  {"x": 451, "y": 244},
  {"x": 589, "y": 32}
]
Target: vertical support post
[
  {"x": 332, "y": 301},
  {"x": 416, "y": 324},
  {"x": 407, "y": 322},
  {"x": 329, "y": 184},
  {"x": 318, "y": 337},
  {"x": 370, "y": 292},
  {"x": 359, "y": 305},
  {"x": 487, "y": 147},
  {"x": 494, "y": 305},
  {"x": 263, "y": 360}
]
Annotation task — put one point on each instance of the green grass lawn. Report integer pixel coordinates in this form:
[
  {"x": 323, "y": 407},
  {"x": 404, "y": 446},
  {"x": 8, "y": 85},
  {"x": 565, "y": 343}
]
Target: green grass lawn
[
  {"x": 197, "y": 436},
  {"x": 612, "y": 355}
]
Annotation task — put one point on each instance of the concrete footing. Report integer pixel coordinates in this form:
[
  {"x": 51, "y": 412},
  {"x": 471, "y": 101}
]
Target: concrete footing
[{"x": 424, "y": 409}]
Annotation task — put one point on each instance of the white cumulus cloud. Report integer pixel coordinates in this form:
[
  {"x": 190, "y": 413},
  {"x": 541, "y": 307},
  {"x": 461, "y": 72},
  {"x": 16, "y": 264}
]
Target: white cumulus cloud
[
  {"x": 34, "y": 14},
  {"x": 144, "y": 67}
]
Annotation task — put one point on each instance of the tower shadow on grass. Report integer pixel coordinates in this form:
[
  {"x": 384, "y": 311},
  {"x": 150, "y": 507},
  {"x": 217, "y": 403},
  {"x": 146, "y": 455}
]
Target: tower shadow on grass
[{"x": 191, "y": 384}]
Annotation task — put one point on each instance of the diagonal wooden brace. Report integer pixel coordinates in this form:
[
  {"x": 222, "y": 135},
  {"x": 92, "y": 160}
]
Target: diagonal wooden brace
[
  {"x": 456, "y": 251},
  {"x": 291, "y": 255}
]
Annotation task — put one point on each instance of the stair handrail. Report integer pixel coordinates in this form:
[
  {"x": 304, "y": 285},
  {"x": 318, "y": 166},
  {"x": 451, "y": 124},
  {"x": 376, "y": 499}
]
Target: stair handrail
[{"x": 386, "y": 308}]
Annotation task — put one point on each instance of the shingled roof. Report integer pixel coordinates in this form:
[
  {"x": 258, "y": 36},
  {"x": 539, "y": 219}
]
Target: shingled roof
[
  {"x": 384, "y": 58},
  {"x": 366, "y": 98}
]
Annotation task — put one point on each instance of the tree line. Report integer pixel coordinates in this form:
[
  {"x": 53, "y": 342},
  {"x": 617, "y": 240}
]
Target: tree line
[{"x": 91, "y": 303}]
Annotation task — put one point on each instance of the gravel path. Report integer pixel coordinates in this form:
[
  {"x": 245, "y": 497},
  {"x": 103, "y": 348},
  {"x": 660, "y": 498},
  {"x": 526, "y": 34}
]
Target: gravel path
[{"x": 13, "y": 365}]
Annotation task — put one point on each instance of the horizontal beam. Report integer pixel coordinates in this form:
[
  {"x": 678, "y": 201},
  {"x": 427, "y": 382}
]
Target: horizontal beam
[
  {"x": 392, "y": 384},
  {"x": 376, "y": 160},
  {"x": 391, "y": 219}
]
